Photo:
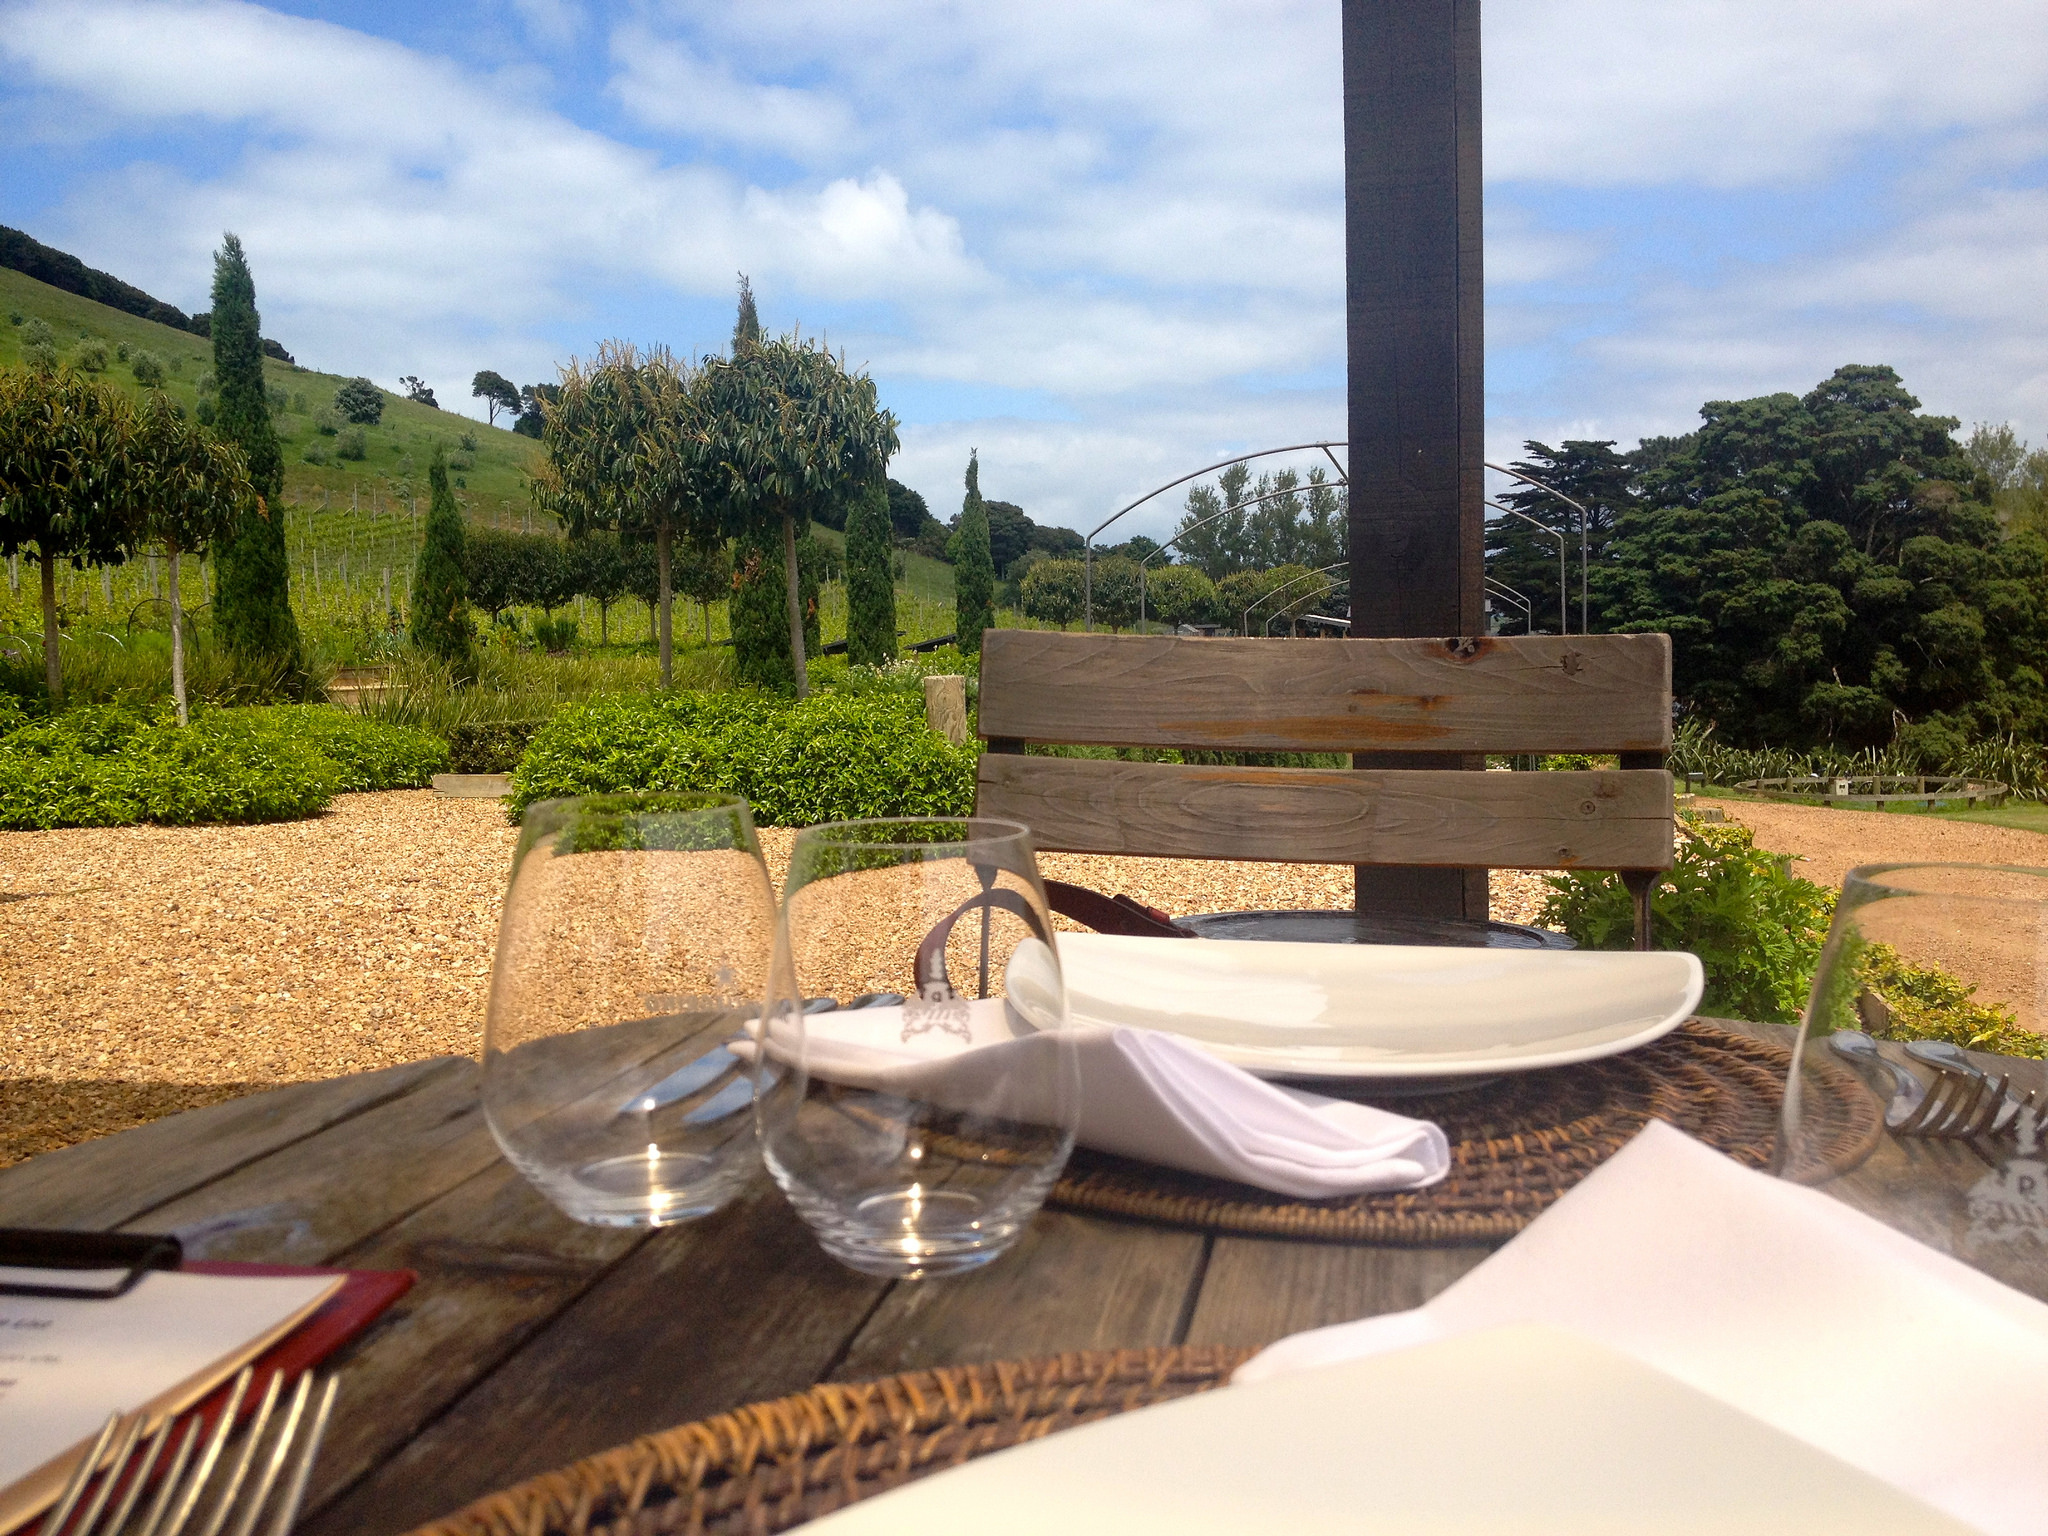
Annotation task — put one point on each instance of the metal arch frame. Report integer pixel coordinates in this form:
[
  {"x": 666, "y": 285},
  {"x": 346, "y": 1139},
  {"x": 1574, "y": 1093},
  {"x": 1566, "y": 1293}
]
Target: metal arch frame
[
  {"x": 1563, "y": 626},
  {"x": 1496, "y": 588},
  {"x": 1256, "y": 501},
  {"x": 1323, "y": 591},
  {"x": 1585, "y": 521},
  {"x": 1088, "y": 543},
  {"x": 1244, "y": 619}
]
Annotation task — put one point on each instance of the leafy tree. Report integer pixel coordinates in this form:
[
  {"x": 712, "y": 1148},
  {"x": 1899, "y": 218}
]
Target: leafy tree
[
  {"x": 67, "y": 482},
  {"x": 625, "y": 443},
  {"x": 598, "y": 565},
  {"x": 497, "y": 392},
  {"x": 494, "y": 566},
  {"x": 192, "y": 490},
  {"x": 746, "y": 325},
  {"x": 760, "y": 635},
  {"x": 870, "y": 587},
  {"x": 1180, "y": 594},
  {"x": 1116, "y": 591},
  {"x": 786, "y": 429},
  {"x": 1591, "y": 474},
  {"x": 148, "y": 369},
  {"x": 417, "y": 391},
  {"x": 1009, "y": 534},
  {"x": 1051, "y": 592},
  {"x": 1212, "y": 533},
  {"x": 534, "y": 400},
  {"x": 440, "y": 599},
  {"x": 908, "y": 515},
  {"x": 974, "y": 576},
  {"x": 361, "y": 402},
  {"x": 252, "y": 606}
]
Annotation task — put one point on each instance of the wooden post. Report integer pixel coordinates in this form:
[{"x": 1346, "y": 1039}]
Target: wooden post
[
  {"x": 945, "y": 706},
  {"x": 1414, "y": 301}
]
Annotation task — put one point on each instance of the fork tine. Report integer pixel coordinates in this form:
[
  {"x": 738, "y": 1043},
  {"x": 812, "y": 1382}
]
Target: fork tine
[
  {"x": 280, "y": 1450},
  {"x": 169, "y": 1486},
  {"x": 302, "y": 1469},
  {"x": 80, "y": 1476},
  {"x": 195, "y": 1480},
  {"x": 1962, "y": 1106},
  {"x": 225, "y": 1500},
  {"x": 141, "y": 1463},
  {"x": 1932, "y": 1106},
  {"x": 1990, "y": 1102}
]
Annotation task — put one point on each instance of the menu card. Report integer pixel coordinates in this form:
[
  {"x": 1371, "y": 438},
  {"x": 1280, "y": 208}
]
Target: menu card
[{"x": 66, "y": 1364}]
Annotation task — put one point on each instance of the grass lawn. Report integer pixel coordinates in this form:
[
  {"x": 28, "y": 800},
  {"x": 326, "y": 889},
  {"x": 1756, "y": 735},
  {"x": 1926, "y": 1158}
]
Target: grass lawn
[{"x": 2025, "y": 815}]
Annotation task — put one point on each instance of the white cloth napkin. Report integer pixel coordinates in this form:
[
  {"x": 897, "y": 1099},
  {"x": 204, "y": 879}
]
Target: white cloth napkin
[
  {"x": 1780, "y": 1301},
  {"x": 1144, "y": 1095}
]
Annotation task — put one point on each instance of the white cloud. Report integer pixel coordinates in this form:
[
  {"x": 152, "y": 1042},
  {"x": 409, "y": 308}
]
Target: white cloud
[{"x": 666, "y": 85}]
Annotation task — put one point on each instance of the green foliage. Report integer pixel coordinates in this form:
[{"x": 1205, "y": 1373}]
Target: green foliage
[
  {"x": 555, "y": 636},
  {"x": 1051, "y": 592},
  {"x": 361, "y": 402},
  {"x": 759, "y": 610},
  {"x": 1115, "y": 591},
  {"x": 115, "y": 766},
  {"x": 870, "y": 589},
  {"x": 352, "y": 444},
  {"x": 2022, "y": 766},
  {"x": 440, "y": 599},
  {"x": 1757, "y": 928},
  {"x": 489, "y": 746},
  {"x": 1927, "y": 1003},
  {"x": 829, "y": 757},
  {"x": 1180, "y": 594},
  {"x": 36, "y": 332},
  {"x": 1240, "y": 524},
  {"x": 148, "y": 369},
  {"x": 90, "y": 356},
  {"x": 974, "y": 572}
]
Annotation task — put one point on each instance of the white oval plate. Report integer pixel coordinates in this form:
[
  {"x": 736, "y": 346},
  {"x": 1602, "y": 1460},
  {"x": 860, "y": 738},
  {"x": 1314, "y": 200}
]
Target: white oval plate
[{"x": 1380, "y": 1010}]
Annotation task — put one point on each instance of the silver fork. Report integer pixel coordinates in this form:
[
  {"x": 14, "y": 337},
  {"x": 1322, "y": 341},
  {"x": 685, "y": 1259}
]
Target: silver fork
[{"x": 188, "y": 1477}]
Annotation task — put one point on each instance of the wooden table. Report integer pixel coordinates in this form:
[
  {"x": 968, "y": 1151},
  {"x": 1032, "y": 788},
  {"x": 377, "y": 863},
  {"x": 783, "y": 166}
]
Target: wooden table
[{"x": 531, "y": 1341}]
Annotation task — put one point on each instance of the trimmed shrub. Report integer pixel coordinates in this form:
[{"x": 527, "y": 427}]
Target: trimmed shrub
[
  {"x": 360, "y": 401},
  {"x": 148, "y": 369},
  {"x": 489, "y": 746},
  {"x": 831, "y": 757},
  {"x": 352, "y": 444},
  {"x": 113, "y": 766}
]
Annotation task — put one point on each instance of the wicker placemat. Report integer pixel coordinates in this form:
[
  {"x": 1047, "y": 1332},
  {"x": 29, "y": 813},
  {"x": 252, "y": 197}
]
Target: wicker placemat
[
  {"x": 1517, "y": 1144},
  {"x": 771, "y": 1466}
]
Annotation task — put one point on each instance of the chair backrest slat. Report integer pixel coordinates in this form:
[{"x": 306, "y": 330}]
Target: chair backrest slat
[
  {"x": 1610, "y": 819},
  {"x": 1544, "y": 693}
]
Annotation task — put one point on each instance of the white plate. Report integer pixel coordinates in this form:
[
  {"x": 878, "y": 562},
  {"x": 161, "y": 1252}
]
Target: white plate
[
  {"x": 1518, "y": 1432},
  {"x": 1380, "y": 1010}
]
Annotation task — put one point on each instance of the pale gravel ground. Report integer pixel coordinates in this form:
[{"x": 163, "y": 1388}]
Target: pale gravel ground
[{"x": 145, "y": 970}]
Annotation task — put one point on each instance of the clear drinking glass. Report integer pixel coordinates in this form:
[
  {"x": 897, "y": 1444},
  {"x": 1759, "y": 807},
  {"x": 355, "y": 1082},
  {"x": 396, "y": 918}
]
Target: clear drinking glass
[
  {"x": 632, "y": 955},
  {"x": 919, "y": 1091},
  {"x": 1904, "y": 1077}
]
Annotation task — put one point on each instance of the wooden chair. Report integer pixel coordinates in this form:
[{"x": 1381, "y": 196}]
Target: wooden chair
[{"x": 1543, "y": 693}]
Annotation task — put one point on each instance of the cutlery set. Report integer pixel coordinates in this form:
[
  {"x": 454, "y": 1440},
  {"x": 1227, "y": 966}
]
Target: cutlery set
[{"x": 1962, "y": 1101}]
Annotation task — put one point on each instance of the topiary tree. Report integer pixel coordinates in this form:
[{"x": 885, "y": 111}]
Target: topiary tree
[
  {"x": 870, "y": 588},
  {"x": 624, "y": 447},
  {"x": 1180, "y": 594},
  {"x": 1051, "y": 592},
  {"x": 760, "y": 635},
  {"x": 974, "y": 571},
  {"x": 360, "y": 401},
  {"x": 785, "y": 430},
  {"x": 192, "y": 490},
  {"x": 440, "y": 598},
  {"x": 67, "y": 482},
  {"x": 252, "y": 608}
]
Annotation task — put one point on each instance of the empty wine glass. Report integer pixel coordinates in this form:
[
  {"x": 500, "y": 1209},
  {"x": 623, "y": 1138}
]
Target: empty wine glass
[
  {"x": 632, "y": 955},
  {"x": 918, "y": 1092},
  {"x": 1933, "y": 978}
]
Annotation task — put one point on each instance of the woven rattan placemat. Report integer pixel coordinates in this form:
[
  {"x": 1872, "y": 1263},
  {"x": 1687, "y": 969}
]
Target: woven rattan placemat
[
  {"x": 771, "y": 1466},
  {"x": 1518, "y": 1143}
]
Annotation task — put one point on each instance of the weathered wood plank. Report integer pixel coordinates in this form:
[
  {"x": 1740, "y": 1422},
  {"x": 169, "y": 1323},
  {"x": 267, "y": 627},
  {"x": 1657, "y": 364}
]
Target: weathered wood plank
[
  {"x": 1594, "y": 820},
  {"x": 699, "y": 1319},
  {"x": 1543, "y": 693},
  {"x": 117, "y": 1180},
  {"x": 310, "y": 1201},
  {"x": 1072, "y": 1282},
  {"x": 1261, "y": 1289},
  {"x": 496, "y": 1262}
]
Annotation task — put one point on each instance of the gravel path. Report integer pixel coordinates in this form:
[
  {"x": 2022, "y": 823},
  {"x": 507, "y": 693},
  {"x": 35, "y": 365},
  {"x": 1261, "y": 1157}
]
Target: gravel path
[{"x": 145, "y": 970}]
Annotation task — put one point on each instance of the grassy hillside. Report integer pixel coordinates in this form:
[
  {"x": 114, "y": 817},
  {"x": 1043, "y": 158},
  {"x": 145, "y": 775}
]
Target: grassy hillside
[{"x": 353, "y": 528}]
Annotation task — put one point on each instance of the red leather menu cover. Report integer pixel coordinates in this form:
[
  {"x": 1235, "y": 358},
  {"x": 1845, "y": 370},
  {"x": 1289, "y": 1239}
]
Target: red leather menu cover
[{"x": 363, "y": 1298}]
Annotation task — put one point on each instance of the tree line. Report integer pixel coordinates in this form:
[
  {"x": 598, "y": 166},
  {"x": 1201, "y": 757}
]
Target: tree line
[{"x": 1834, "y": 569}]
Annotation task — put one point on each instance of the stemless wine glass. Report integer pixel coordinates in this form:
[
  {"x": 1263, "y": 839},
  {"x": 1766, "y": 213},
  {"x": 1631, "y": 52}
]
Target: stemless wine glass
[
  {"x": 918, "y": 1090},
  {"x": 1922, "y": 961},
  {"x": 632, "y": 955}
]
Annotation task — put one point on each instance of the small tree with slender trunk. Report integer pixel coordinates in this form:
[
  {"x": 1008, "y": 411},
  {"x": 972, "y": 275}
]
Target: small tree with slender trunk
[
  {"x": 192, "y": 490},
  {"x": 974, "y": 571},
  {"x": 787, "y": 429},
  {"x": 67, "y": 482},
  {"x": 870, "y": 583},
  {"x": 440, "y": 598},
  {"x": 623, "y": 446}
]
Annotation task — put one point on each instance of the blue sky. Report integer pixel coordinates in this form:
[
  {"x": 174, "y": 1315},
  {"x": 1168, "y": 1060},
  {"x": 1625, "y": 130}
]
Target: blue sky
[{"x": 1101, "y": 243}]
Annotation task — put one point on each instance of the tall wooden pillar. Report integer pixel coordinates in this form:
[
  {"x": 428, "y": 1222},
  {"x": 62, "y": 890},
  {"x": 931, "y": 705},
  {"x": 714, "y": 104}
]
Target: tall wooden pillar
[{"x": 1414, "y": 298}]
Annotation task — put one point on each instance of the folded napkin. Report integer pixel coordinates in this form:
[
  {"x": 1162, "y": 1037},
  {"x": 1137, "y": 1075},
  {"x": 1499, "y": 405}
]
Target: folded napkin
[
  {"x": 1144, "y": 1095},
  {"x": 1778, "y": 1300}
]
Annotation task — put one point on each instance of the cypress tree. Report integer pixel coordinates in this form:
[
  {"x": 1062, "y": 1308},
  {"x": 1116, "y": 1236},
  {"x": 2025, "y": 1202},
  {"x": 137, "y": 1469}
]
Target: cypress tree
[
  {"x": 870, "y": 586},
  {"x": 746, "y": 327},
  {"x": 758, "y": 611},
  {"x": 253, "y": 607},
  {"x": 974, "y": 571},
  {"x": 440, "y": 596}
]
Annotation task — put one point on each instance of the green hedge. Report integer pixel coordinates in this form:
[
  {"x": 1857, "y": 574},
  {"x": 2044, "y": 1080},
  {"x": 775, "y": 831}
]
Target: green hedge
[
  {"x": 489, "y": 746},
  {"x": 829, "y": 758},
  {"x": 110, "y": 766}
]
